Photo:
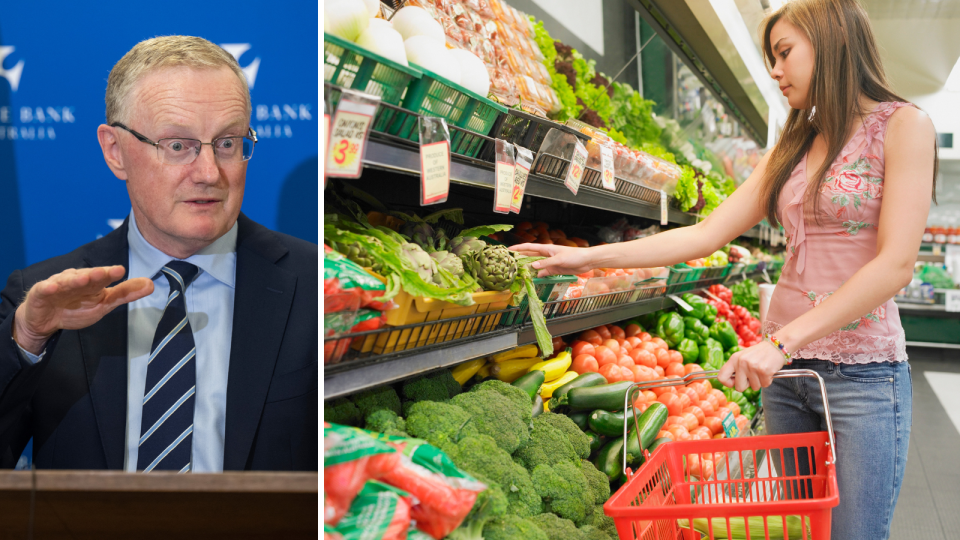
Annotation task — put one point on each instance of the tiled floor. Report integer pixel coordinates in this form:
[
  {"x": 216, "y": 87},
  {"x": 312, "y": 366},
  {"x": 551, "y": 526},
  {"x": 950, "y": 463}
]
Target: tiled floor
[{"x": 929, "y": 505}]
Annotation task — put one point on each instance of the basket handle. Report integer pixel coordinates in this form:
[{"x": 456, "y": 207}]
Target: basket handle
[{"x": 704, "y": 375}]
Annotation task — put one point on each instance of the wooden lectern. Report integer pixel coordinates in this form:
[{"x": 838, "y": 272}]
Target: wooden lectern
[{"x": 109, "y": 505}]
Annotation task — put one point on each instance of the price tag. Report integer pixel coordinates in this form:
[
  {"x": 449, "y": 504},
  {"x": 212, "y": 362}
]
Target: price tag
[
  {"x": 953, "y": 300},
  {"x": 504, "y": 173},
  {"x": 730, "y": 425},
  {"x": 348, "y": 136},
  {"x": 577, "y": 166},
  {"x": 683, "y": 305},
  {"x": 606, "y": 166},
  {"x": 663, "y": 207},
  {"x": 520, "y": 174},
  {"x": 435, "y": 172}
]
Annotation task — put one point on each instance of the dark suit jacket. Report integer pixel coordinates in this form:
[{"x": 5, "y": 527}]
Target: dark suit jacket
[{"x": 74, "y": 402}]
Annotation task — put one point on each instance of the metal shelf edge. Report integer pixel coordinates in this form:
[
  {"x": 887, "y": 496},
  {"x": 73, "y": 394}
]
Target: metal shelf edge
[{"x": 569, "y": 325}]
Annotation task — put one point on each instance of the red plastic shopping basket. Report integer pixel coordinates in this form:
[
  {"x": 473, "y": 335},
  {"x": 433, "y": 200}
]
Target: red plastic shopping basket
[{"x": 770, "y": 486}]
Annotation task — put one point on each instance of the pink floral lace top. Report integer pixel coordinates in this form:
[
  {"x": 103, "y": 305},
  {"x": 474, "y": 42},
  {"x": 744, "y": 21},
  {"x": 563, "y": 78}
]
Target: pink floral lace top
[{"x": 820, "y": 258}]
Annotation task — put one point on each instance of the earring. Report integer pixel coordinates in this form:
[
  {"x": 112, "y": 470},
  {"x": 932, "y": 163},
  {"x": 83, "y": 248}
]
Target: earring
[{"x": 813, "y": 111}]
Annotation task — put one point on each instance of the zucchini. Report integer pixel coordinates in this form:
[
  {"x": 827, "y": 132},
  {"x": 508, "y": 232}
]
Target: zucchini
[
  {"x": 608, "y": 397},
  {"x": 537, "y": 406},
  {"x": 587, "y": 379},
  {"x": 596, "y": 441},
  {"x": 610, "y": 423},
  {"x": 656, "y": 444},
  {"x": 579, "y": 418},
  {"x": 650, "y": 423},
  {"x": 530, "y": 383},
  {"x": 608, "y": 459}
]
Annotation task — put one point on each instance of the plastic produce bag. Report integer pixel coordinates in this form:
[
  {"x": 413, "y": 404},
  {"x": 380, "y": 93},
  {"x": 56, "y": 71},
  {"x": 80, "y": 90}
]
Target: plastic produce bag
[
  {"x": 444, "y": 494},
  {"x": 343, "y": 276},
  {"x": 379, "y": 512},
  {"x": 350, "y": 458}
]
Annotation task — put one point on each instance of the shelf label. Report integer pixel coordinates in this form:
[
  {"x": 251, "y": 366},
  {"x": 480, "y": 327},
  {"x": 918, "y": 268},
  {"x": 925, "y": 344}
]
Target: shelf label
[
  {"x": 953, "y": 300},
  {"x": 521, "y": 172},
  {"x": 434, "y": 172},
  {"x": 577, "y": 166},
  {"x": 606, "y": 166},
  {"x": 663, "y": 207},
  {"x": 683, "y": 305},
  {"x": 503, "y": 172},
  {"x": 348, "y": 134}
]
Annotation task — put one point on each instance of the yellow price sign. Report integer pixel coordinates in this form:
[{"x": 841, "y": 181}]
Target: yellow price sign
[
  {"x": 348, "y": 137},
  {"x": 577, "y": 164}
]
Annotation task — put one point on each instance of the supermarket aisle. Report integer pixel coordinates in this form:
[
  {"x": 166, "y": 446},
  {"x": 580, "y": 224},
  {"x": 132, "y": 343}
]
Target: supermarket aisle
[{"x": 929, "y": 506}]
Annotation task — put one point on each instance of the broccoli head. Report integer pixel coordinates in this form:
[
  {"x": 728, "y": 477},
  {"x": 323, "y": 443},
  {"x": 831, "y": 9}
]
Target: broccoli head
[
  {"x": 564, "y": 490},
  {"x": 514, "y": 394},
  {"x": 386, "y": 422},
  {"x": 603, "y": 522},
  {"x": 598, "y": 482},
  {"x": 496, "y": 416},
  {"x": 557, "y": 528},
  {"x": 423, "y": 389},
  {"x": 511, "y": 527},
  {"x": 440, "y": 424},
  {"x": 445, "y": 376},
  {"x": 589, "y": 532},
  {"x": 341, "y": 411},
  {"x": 547, "y": 445},
  {"x": 484, "y": 460},
  {"x": 578, "y": 439},
  {"x": 491, "y": 503},
  {"x": 375, "y": 399}
]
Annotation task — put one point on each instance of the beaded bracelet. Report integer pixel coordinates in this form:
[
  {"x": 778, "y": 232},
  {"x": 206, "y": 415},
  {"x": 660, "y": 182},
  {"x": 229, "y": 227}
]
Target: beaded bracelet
[{"x": 776, "y": 342}]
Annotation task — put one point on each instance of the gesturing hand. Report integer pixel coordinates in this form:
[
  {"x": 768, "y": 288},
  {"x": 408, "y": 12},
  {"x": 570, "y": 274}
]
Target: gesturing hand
[
  {"x": 71, "y": 300},
  {"x": 564, "y": 260},
  {"x": 753, "y": 367}
]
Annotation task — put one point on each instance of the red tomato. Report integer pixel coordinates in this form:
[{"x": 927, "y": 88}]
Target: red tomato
[
  {"x": 675, "y": 369},
  {"x": 661, "y": 390},
  {"x": 706, "y": 469},
  {"x": 603, "y": 331},
  {"x": 584, "y": 363},
  {"x": 692, "y": 394},
  {"x": 714, "y": 424},
  {"x": 650, "y": 347},
  {"x": 734, "y": 408},
  {"x": 693, "y": 462},
  {"x": 585, "y": 347},
  {"x": 644, "y": 358},
  {"x": 707, "y": 408},
  {"x": 673, "y": 421},
  {"x": 641, "y": 374},
  {"x": 660, "y": 343},
  {"x": 642, "y": 408},
  {"x": 690, "y": 368},
  {"x": 626, "y": 361},
  {"x": 663, "y": 358},
  {"x": 616, "y": 332},
  {"x": 720, "y": 436},
  {"x": 684, "y": 400},
  {"x": 632, "y": 330},
  {"x": 634, "y": 341},
  {"x": 672, "y": 401},
  {"x": 721, "y": 399},
  {"x": 650, "y": 395},
  {"x": 701, "y": 390},
  {"x": 626, "y": 346},
  {"x": 591, "y": 336},
  {"x": 613, "y": 345},
  {"x": 644, "y": 336},
  {"x": 704, "y": 431},
  {"x": 558, "y": 344},
  {"x": 743, "y": 422},
  {"x": 611, "y": 372},
  {"x": 698, "y": 412},
  {"x": 663, "y": 434},
  {"x": 679, "y": 432},
  {"x": 695, "y": 436},
  {"x": 714, "y": 402},
  {"x": 626, "y": 374},
  {"x": 660, "y": 373},
  {"x": 675, "y": 356},
  {"x": 604, "y": 355}
]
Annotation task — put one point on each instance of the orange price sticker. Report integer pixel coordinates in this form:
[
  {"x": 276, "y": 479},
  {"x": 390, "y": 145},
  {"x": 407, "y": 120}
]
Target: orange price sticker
[
  {"x": 348, "y": 137},
  {"x": 577, "y": 164},
  {"x": 519, "y": 187},
  {"x": 606, "y": 164}
]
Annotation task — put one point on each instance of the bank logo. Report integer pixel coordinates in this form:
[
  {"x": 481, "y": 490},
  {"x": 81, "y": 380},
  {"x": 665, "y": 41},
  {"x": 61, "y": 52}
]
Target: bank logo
[
  {"x": 12, "y": 75},
  {"x": 236, "y": 50}
]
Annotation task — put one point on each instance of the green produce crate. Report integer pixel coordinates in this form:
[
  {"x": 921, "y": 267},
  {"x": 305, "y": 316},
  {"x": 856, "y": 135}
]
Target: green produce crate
[
  {"x": 350, "y": 66},
  {"x": 684, "y": 278},
  {"x": 432, "y": 95},
  {"x": 549, "y": 289}
]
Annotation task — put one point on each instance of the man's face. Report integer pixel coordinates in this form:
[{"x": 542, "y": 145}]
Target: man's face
[{"x": 182, "y": 208}]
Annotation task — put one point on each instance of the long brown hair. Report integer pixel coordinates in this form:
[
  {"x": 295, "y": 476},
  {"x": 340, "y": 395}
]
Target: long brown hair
[{"x": 846, "y": 65}]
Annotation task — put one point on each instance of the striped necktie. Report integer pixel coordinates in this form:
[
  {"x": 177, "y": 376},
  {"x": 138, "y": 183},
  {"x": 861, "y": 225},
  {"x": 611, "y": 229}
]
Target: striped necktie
[{"x": 166, "y": 424}]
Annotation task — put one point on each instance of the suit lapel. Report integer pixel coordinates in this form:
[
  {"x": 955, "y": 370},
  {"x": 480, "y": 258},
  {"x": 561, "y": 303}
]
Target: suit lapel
[
  {"x": 104, "y": 350},
  {"x": 264, "y": 293}
]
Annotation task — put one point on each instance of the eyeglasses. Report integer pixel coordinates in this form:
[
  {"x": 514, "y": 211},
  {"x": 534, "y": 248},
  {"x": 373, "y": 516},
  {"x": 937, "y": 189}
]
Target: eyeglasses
[{"x": 185, "y": 151}]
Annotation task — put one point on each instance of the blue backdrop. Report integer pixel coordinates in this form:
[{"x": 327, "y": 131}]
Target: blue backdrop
[{"x": 56, "y": 192}]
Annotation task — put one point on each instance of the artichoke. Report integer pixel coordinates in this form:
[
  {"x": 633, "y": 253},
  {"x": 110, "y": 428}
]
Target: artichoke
[
  {"x": 358, "y": 254},
  {"x": 421, "y": 234},
  {"x": 448, "y": 261},
  {"x": 425, "y": 266},
  {"x": 494, "y": 267},
  {"x": 440, "y": 240},
  {"x": 462, "y": 246}
]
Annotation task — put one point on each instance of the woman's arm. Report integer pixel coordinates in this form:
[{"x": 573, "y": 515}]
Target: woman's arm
[
  {"x": 733, "y": 217},
  {"x": 907, "y": 188}
]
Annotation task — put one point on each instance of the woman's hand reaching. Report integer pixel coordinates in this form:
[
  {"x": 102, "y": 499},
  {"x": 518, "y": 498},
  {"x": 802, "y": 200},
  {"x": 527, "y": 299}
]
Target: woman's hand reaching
[{"x": 561, "y": 260}]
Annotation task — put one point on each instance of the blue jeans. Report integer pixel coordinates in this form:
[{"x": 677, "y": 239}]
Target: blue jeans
[{"x": 871, "y": 406}]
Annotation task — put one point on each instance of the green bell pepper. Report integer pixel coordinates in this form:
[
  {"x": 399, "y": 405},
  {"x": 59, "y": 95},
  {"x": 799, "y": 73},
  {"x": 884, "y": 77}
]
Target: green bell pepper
[
  {"x": 649, "y": 321},
  {"x": 724, "y": 333},
  {"x": 710, "y": 317},
  {"x": 695, "y": 330},
  {"x": 689, "y": 350},
  {"x": 636, "y": 321},
  {"x": 732, "y": 395},
  {"x": 670, "y": 328},
  {"x": 729, "y": 352},
  {"x": 711, "y": 355},
  {"x": 749, "y": 410},
  {"x": 751, "y": 395},
  {"x": 697, "y": 304}
]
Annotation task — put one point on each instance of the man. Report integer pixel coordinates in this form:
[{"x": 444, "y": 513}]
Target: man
[{"x": 185, "y": 340}]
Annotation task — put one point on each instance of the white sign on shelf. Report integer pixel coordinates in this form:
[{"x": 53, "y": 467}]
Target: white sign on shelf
[{"x": 953, "y": 300}]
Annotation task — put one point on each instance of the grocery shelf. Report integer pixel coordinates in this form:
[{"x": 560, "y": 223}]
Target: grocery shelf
[
  {"x": 923, "y": 308},
  {"x": 420, "y": 360},
  {"x": 562, "y": 326},
  {"x": 930, "y": 257}
]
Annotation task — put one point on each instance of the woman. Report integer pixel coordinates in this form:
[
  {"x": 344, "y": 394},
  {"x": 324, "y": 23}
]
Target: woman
[{"x": 851, "y": 181}]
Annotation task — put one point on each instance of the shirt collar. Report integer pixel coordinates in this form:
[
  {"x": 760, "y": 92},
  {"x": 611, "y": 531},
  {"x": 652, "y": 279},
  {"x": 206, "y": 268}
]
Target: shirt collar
[{"x": 219, "y": 259}]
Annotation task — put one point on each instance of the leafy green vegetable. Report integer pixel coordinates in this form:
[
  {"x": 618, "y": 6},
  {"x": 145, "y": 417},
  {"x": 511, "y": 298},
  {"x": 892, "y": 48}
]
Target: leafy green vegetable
[
  {"x": 633, "y": 116},
  {"x": 746, "y": 294},
  {"x": 484, "y": 230},
  {"x": 686, "y": 193},
  {"x": 712, "y": 197},
  {"x": 523, "y": 287}
]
